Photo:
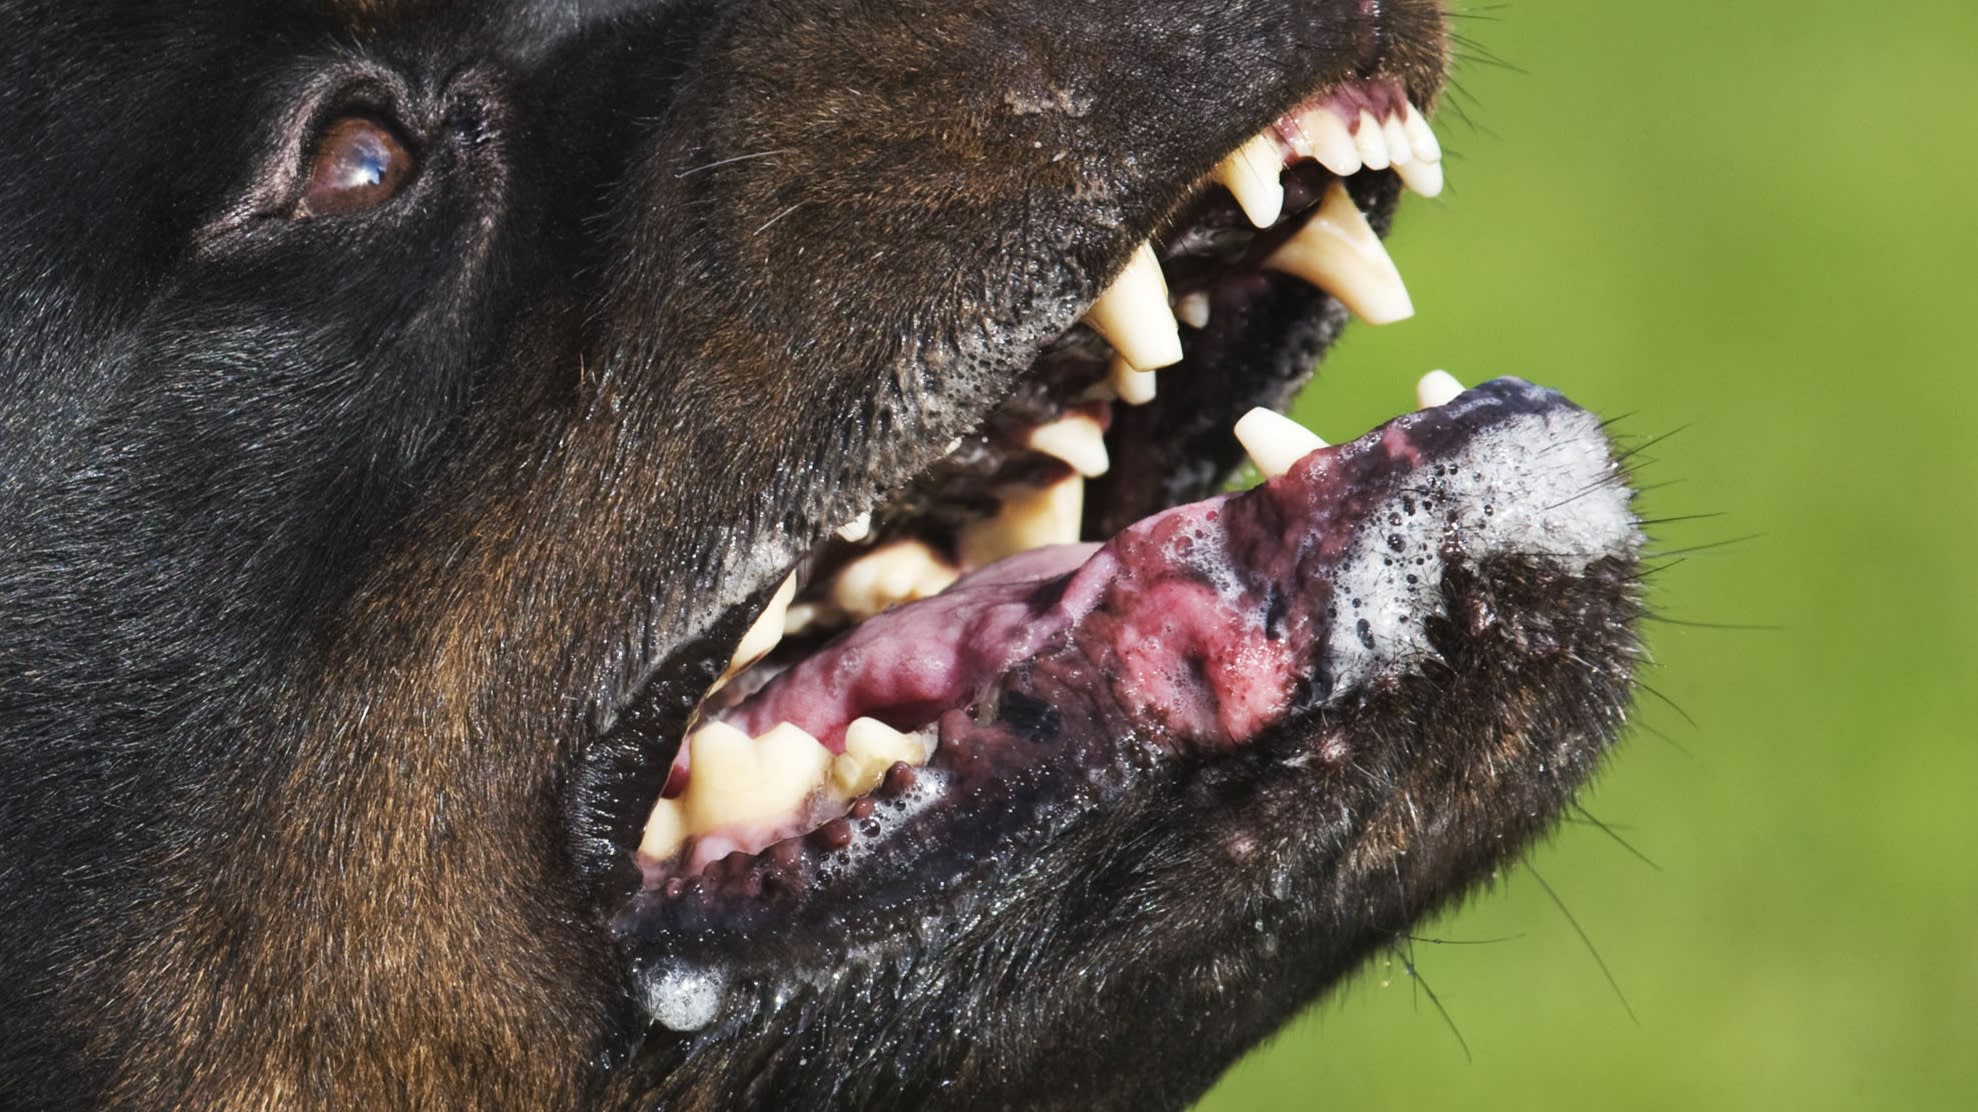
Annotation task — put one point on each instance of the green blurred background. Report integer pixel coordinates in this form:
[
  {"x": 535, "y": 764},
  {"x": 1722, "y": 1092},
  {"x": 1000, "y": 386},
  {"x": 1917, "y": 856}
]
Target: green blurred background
[{"x": 1751, "y": 224}]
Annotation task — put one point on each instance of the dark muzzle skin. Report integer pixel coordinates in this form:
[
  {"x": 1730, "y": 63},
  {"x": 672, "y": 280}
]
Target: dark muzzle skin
[{"x": 368, "y": 540}]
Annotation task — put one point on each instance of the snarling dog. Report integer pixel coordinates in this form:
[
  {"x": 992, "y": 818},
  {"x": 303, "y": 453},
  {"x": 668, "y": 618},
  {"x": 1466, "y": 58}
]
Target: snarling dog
[{"x": 671, "y": 554}]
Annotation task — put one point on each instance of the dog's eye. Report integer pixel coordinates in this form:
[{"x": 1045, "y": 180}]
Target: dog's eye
[{"x": 359, "y": 164}]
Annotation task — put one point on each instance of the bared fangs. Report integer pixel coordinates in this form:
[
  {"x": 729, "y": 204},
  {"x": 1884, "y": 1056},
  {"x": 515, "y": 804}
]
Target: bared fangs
[{"x": 1046, "y": 682}]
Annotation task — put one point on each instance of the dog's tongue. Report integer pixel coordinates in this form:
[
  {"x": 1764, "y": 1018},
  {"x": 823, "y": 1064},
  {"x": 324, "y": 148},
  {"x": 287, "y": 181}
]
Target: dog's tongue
[
  {"x": 1176, "y": 627},
  {"x": 1193, "y": 627}
]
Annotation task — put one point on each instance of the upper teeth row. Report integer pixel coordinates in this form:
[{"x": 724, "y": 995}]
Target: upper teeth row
[
  {"x": 1343, "y": 137},
  {"x": 1400, "y": 140},
  {"x": 1336, "y": 250}
]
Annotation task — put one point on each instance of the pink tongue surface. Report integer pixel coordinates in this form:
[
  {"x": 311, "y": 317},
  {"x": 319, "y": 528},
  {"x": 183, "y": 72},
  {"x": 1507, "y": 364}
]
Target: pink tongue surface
[
  {"x": 908, "y": 665},
  {"x": 1173, "y": 622}
]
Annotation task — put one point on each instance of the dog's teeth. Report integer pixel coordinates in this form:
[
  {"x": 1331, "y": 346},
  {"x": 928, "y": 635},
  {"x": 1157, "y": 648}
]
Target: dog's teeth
[
  {"x": 1338, "y": 252},
  {"x": 803, "y": 616},
  {"x": 1134, "y": 387},
  {"x": 1369, "y": 142},
  {"x": 1331, "y": 141},
  {"x": 1134, "y": 317},
  {"x": 1251, "y": 176},
  {"x": 767, "y": 632},
  {"x": 1424, "y": 178},
  {"x": 1192, "y": 309},
  {"x": 1275, "y": 442},
  {"x": 1399, "y": 150},
  {"x": 790, "y": 764},
  {"x": 719, "y": 790},
  {"x": 890, "y": 575},
  {"x": 1437, "y": 388},
  {"x": 736, "y": 779},
  {"x": 872, "y": 747},
  {"x": 1421, "y": 137},
  {"x": 857, "y": 529},
  {"x": 666, "y": 831},
  {"x": 1029, "y": 517},
  {"x": 1075, "y": 438}
]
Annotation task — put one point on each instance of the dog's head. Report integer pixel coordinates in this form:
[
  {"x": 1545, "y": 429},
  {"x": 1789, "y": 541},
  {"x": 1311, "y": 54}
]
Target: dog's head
[{"x": 421, "y": 419}]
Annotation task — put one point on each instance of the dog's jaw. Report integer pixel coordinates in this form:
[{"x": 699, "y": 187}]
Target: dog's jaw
[{"x": 1405, "y": 655}]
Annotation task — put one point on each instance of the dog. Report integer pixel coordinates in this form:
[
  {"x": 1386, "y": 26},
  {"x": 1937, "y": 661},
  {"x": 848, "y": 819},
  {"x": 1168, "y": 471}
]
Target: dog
[{"x": 675, "y": 553}]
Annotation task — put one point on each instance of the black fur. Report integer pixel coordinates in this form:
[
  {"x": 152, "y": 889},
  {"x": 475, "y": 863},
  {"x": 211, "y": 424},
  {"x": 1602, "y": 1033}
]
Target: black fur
[{"x": 353, "y": 566}]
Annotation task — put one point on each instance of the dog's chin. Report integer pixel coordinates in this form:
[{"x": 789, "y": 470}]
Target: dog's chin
[{"x": 1066, "y": 667}]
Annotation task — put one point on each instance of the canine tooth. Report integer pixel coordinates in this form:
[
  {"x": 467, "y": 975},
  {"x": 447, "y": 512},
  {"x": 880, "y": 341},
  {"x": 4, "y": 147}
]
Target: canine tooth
[
  {"x": 890, "y": 575},
  {"x": 1367, "y": 140},
  {"x": 1075, "y": 438},
  {"x": 1338, "y": 252},
  {"x": 1134, "y": 387},
  {"x": 1421, "y": 137},
  {"x": 1424, "y": 178},
  {"x": 1251, "y": 176},
  {"x": 1134, "y": 317},
  {"x": 767, "y": 631},
  {"x": 666, "y": 831},
  {"x": 1437, "y": 388},
  {"x": 1275, "y": 442},
  {"x": 872, "y": 747},
  {"x": 1029, "y": 517},
  {"x": 1192, "y": 309},
  {"x": 857, "y": 529},
  {"x": 1332, "y": 143},
  {"x": 1399, "y": 150}
]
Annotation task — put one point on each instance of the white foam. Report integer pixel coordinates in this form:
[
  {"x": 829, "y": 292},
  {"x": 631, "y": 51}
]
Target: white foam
[
  {"x": 930, "y": 786},
  {"x": 1560, "y": 503},
  {"x": 683, "y": 997}
]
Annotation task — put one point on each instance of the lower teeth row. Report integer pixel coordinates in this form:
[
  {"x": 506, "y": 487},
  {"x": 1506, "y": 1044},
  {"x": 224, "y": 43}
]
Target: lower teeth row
[{"x": 753, "y": 792}]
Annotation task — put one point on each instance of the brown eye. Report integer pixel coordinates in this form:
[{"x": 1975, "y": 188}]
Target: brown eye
[{"x": 359, "y": 165}]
